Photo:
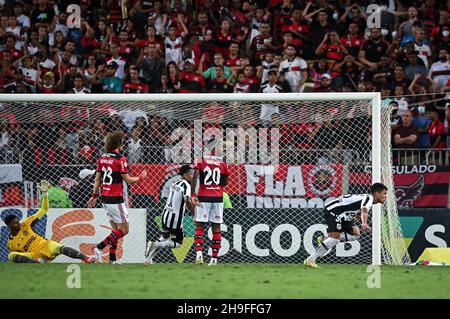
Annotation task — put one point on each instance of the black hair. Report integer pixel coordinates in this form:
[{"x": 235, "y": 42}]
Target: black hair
[
  {"x": 378, "y": 187},
  {"x": 184, "y": 168},
  {"x": 9, "y": 218},
  {"x": 432, "y": 109}
]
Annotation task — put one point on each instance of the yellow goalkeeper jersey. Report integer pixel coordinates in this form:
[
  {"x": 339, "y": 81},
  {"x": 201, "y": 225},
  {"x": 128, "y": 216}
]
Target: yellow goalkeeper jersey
[{"x": 27, "y": 240}]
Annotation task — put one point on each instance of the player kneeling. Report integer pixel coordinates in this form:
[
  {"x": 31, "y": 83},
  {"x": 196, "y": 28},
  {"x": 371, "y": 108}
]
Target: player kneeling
[
  {"x": 172, "y": 217},
  {"x": 26, "y": 246},
  {"x": 339, "y": 215}
]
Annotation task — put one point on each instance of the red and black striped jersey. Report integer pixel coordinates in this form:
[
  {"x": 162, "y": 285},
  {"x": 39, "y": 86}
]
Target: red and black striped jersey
[
  {"x": 112, "y": 166},
  {"x": 131, "y": 87},
  {"x": 192, "y": 82},
  {"x": 212, "y": 174}
]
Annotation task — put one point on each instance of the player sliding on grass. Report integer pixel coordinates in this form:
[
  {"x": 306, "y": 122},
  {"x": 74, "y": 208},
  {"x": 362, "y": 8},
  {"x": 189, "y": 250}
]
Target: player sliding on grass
[
  {"x": 112, "y": 170},
  {"x": 213, "y": 174},
  {"x": 339, "y": 216},
  {"x": 26, "y": 246},
  {"x": 172, "y": 217}
]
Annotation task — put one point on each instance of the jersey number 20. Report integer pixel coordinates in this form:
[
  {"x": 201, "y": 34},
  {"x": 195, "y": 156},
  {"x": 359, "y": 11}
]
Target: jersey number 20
[{"x": 212, "y": 175}]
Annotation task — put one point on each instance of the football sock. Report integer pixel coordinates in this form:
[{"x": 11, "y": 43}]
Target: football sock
[
  {"x": 24, "y": 260},
  {"x": 112, "y": 252},
  {"x": 72, "y": 253},
  {"x": 112, "y": 239},
  {"x": 348, "y": 237},
  {"x": 328, "y": 243},
  {"x": 199, "y": 239},
  {"x": 215, "y": 245},
  {"x": 169, "y": 243}
]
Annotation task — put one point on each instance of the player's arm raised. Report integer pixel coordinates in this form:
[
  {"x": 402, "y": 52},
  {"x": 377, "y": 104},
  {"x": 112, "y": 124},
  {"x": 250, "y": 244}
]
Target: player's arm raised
[{"x": 44, "y": 187}]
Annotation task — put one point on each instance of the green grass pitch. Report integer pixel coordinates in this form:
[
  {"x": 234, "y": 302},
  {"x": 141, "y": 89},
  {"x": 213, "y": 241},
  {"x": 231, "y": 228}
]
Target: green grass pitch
[{"x": 187, "y": 281}]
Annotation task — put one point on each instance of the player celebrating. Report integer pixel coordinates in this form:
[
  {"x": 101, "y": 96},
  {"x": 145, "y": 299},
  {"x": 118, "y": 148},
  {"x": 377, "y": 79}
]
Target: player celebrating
[
  {"x": 213, "y": 173},
  {"x": 112, "y": 169},
  {"x": 339, "y": 216},
  {"x": 26, "y": 246},
  {"x": 172, "y": 217}
]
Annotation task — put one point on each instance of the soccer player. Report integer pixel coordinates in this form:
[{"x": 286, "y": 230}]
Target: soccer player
[
  {"x": 213, "y": 174},
  {"x": 172, "y": 217},
  {"x": 339, "y": 215},
  {"x": 112, "y": 170},
  {"x": 26, "y": 246}
]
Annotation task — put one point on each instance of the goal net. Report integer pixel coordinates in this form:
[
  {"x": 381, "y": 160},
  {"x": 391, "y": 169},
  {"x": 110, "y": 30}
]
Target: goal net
[{"x": 288, "y": 155}]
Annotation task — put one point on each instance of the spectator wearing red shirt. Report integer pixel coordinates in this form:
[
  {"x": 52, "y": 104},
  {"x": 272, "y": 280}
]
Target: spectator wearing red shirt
[
  {"x": 436, "y": 130},
  {"x": 296, "y": 25},
  {"x": 201, "y": 26},
  {"x": 224, "y": 38},
  {"x": 135, "y": 85},
  {"x": 282, "y": 16},
  {"x": 10, "y": 46},
  {"x": 205, "y": 49},
  {"x": 262, "y": 43},
  {"x": 233, "y": 61},
  {"x": 191, "y": 81},
  {"x": 353, "y": 41},
  {"x": 237, "y": 13},
  {"x": 288, "y": 39},
  {"x": 48, "y": 84},
  {"x": 126, "y": 46},
  {"x": 331, "y": 48},
  {"x": 251, "y": 79},
  {"x": 152, "y": 38}
]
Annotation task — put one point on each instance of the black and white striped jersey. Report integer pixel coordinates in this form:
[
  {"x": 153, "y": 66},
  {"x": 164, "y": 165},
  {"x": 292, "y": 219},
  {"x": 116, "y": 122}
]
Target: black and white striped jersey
[
  {"x": 172, "y": 217},
  {"x": 346, "y": 207}
]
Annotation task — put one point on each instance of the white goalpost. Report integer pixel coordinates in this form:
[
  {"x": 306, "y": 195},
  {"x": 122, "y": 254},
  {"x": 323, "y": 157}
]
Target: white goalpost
[{"x": 289, "y": 154}]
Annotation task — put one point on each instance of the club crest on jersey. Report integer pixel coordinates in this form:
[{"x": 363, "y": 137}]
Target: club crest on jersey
[{"x": 322, "y": 179}]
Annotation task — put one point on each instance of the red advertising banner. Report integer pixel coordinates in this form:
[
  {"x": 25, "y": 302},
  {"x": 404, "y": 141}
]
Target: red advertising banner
[
  {"x": 416, "y": 186},
  {"x": 283, "y": 181}
]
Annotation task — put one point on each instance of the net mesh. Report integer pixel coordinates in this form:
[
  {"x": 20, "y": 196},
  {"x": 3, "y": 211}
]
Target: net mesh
[{"x": 286, "y": 160}]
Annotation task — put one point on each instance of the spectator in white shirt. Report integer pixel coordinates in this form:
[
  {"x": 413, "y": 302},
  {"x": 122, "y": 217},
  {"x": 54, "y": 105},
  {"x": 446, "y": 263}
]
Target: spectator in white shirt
[
  {"x": 294, "y": 69},
  {"x": 440, "y": 70}
]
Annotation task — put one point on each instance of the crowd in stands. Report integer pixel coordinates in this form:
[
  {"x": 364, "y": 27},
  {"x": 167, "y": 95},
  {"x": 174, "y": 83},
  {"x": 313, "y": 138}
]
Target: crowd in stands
[{"x": 215, "y": 46}]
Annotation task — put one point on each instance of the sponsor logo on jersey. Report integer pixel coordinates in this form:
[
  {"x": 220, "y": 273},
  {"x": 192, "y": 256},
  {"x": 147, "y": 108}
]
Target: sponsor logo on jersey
[{"x": 29, "y": 242}]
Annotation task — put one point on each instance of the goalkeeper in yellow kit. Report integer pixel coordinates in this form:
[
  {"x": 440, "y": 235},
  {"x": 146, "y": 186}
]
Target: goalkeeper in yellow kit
[{"x": 26, "y": 246}]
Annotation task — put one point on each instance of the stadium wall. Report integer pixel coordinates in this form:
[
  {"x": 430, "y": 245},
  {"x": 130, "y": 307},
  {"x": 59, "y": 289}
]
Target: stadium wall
[{"x": 249, "y": 236}]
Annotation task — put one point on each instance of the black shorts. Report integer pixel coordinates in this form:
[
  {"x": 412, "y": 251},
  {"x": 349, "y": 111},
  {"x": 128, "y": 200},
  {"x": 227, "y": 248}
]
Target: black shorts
[
  {"x": 333, "y": 226},
  {"x": 177, "y": 233}
]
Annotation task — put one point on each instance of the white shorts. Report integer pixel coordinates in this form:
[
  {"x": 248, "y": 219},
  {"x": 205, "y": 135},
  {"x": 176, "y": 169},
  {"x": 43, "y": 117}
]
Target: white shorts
[
  {"x": 117, "y": 213},
  {"x": 209, "y": 212}
]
